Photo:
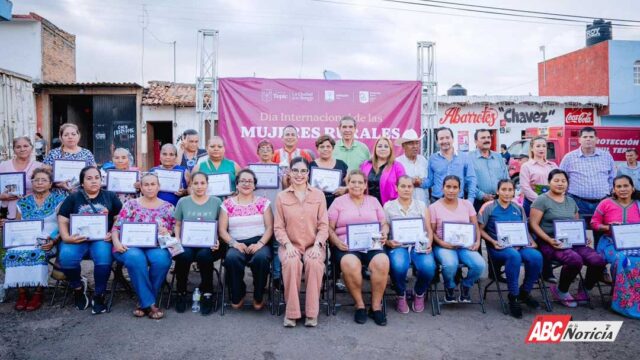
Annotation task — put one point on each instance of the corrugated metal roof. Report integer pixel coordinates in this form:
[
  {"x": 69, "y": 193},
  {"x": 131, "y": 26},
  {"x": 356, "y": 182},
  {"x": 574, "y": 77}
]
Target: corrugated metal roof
[
  {"x": 525, "y": 99},
  {"x": 86, "y": 84}
]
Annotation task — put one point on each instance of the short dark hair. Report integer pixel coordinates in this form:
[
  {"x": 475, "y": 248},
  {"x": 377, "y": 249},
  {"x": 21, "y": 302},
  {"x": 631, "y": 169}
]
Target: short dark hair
[
  {"x": 475, "y": 134},
  {"x": 189, "y": 132},
  {"x": 206, "y": 177},
  {"x": 299, "y": 159},
  {"x": 84, "y": 170},
  {"x": 323, "y": 138},
  {"x": 632, "y": 150},
  {"x": 42, "y": 171},
  {"x": 441, "y": 129},
  {"x": 503, "y": 146},
  {"x": 247, "y": 171},
  {"x": 451, "y": 177},
  {"x": 587, "y": 129},
  {"x": 555, "y": 172},
  {"x": 505, "y": 181}
]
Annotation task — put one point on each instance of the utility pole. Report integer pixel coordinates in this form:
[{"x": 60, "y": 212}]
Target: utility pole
[
  {"x": 207, "y": 80},
  {"x": 544, "y": 68},
  {"x": 429, "y": 93}
]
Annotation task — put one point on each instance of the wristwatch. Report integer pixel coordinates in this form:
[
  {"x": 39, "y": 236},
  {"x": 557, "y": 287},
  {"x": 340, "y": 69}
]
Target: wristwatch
[{"x": 232, "y": 242}]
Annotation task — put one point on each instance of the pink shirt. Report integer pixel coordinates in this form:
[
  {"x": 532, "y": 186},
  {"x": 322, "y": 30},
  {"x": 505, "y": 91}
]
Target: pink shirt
[
  {"x": 344, "y": 211},
  {"x": 439, "y": 214},
  {"x": 7, "y": 166},
  {"x": 609, "y": 211},
  {"x": 388, "y": 179},
  {"x": 534, "y": 173},
  {"x": 301, "y": 223}
]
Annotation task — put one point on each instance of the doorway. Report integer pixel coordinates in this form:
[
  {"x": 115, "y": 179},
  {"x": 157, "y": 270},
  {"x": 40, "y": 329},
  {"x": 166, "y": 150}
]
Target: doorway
[{"x": 158, "y": 134}]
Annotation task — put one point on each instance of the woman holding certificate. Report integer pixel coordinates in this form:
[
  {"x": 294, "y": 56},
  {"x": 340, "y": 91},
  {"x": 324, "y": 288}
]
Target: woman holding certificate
[
  {"x": 66, "y": 176},
  {"x": 330, "y": 172},
  {"x": 621, "y": 249},
  {"x": 174, "y": 179},
  {"x": 457, "y": 237},
  {"x": 546, "y": 211},
  {"x": 137, "y": 246},
  {"x": 382, "y": 171},
  {"x": 246, "y": 225},
  {"x": 190, "y": 211},
  {"x": 20, "y": 168},
  {"x": 216, "y": 164},
  {"x": 77, "y": 219},
  {"x": 534, "y": 173},
  {"x": 358, "y": 230},
  {"x": 404, "y": 248},
  {"x": 124, "y": 180},
  {"x": 26, "y": 266},
  {"x": 503, "y": 224},
  {"x": 301, "y": 229}
]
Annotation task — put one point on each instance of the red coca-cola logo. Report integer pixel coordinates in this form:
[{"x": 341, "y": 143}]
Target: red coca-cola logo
[
  {"x": 579, "y": 116},
  {"x": 454, "y": 115}
]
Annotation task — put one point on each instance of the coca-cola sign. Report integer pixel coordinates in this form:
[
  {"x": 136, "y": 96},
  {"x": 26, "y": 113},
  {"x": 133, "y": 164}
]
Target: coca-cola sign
[
  {"x": 579, "y": 116},
  {"x": 455, "y": 115}
]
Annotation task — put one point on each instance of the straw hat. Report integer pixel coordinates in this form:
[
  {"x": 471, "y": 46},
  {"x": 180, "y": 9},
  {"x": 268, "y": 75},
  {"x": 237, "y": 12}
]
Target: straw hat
[{"x": 408, "y": 135}]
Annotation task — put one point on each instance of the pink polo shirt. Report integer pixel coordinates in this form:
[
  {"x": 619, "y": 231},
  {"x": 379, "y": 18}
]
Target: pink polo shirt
[
  {"x": 344, "y": 211},
  {"x": 439, "y": 214},
  {"x": 534, "y": 173}
]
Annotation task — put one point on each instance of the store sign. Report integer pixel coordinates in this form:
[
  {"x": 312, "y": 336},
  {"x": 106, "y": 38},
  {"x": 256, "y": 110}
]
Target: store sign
[
  {"x": 517, "y": 116},
  {"x": 455, "y": 115},
  {"x": 579, "y": 116}
]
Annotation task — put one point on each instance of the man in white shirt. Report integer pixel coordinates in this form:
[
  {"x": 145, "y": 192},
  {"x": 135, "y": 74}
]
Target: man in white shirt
[{"x": 415, "y": 165}]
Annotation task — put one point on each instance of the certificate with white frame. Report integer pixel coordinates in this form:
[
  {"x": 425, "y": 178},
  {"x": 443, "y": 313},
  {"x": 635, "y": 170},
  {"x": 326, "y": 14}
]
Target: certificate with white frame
[
  {"x": 360, "y": 236},
  {"x": 626, "y": 236},
  {"x": 512, "y": 233},
  {"x": 570, "y": 232},
  {"x": 92, "y": 226},
  {"x": 143, "y": 235},
  {"x": 200, "y": 234},
  {"x": 122, "y": 181},
  {"x": 13, "y": 183},
  {"x": 219, "y": 184},
  {"x": 459, "y": 234},
  {"x": 267, "y": 175},
  {"x": 407, "y": 231},
  {"x": 170, "y": 180},
  {"x": 21, "y": 232},
  {"x": 68, "y": 170},
  {"x": 327, "y": 180}
]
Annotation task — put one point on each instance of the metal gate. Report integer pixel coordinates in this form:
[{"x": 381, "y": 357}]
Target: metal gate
[{"x": 114, "y": 125}]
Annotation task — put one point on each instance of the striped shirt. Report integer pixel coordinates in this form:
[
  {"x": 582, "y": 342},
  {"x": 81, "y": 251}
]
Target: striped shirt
[{"x": 590, "y": 176}]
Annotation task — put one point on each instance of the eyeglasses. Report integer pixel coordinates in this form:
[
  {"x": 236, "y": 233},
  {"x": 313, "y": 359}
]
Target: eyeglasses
[
  {"x": 300, "y": 171},
  {"x": 245, "y": 182},
  {"x": 40, "y": 180}
]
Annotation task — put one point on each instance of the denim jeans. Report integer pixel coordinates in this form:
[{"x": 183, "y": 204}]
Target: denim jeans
[
  {"x": 450, "y": 258},
  {"x": 71, "y": 255},
  {"x": 400, "y": 259},
  {"x": 277, "y": 266},
  {"x": 148, "y": 268},
  {"x": 512, "y": 259}
]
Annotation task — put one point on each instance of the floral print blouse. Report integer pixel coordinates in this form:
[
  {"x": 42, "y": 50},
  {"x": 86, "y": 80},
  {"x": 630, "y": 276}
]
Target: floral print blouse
[{"x": 132, "y": 211}]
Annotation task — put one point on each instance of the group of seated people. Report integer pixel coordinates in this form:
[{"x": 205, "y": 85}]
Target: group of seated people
[{"x": 291, "y": 229}]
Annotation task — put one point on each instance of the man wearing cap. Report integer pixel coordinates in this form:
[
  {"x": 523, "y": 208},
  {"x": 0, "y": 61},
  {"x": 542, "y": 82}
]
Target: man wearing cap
[
  {"x": 489, "y": 167},
  {"x": 348, "y": 149},
  {"x": 415, "y": 165}
]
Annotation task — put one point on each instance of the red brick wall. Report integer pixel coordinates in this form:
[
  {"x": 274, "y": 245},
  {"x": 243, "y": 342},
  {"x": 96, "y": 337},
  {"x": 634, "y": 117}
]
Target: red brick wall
[
  {"x": 584, "y": 72},
  {"x": 58, "y": 54}
]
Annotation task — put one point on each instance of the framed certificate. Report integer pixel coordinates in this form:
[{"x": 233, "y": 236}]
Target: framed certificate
[
  {"x": 267, "y": 175},
  {"x": 219, "y": 185},
  {"x": 512, "y": 233},
  {"x": 21, "y": 232},
  {"x": 122, "y": 181},
  {"x": 407, "y": 230},
  {"x": 68, "y": 170},
  {"x": 139, "y": 234},
  {"x": 360, "y": 236},
  {"x": 459, "y": 234},
  {"x": 626, "y": 236},
  {"x": 570, "y": 232},
  {"x": 327, "y": 180},
  {"x": 13, "y": 183},
  {"x": 170, "y": 180},
  {"x": 92, "y": 226},
  {"x": 199, "y": 233}
]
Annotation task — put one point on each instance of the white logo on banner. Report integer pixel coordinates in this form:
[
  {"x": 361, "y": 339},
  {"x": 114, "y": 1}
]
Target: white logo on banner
[
  {"x": 329, "y": 95},
  {"x": 364, "y": 97}
]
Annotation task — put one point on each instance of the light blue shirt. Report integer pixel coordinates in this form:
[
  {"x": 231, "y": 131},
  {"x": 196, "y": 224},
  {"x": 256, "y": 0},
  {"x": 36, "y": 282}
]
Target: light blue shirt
[
  {"x": 590, "y": 176},
  {"x": 633, "y": 173},
  {"x": 489, "y": 170},
  {"x": 460, "y": 166}
]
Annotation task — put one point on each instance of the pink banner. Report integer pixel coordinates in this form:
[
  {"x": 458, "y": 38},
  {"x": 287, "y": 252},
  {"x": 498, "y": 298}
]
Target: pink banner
[{"x": 251, "y": 109}]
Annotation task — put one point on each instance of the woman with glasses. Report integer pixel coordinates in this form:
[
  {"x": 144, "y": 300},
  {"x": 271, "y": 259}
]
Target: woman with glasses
[
  {"x": 301, "y": 228},
  {"x": 21, "y": 163}
]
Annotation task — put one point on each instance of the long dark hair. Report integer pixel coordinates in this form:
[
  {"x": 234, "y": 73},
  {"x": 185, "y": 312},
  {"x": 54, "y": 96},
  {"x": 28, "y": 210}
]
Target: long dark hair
[{"x": 634, "y": 196}]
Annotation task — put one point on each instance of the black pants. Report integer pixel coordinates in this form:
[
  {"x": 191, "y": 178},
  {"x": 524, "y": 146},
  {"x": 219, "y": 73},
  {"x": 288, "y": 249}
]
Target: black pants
[
  {"x": 205, "y": 259},
  {"x": 235, "y": 262}
]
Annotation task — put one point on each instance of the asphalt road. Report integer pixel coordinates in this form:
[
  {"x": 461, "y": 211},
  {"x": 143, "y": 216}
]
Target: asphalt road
[{"x": 461, "y": 332}]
